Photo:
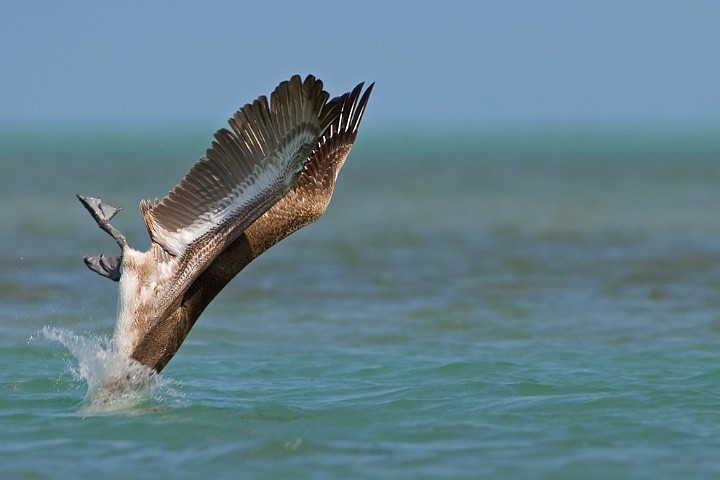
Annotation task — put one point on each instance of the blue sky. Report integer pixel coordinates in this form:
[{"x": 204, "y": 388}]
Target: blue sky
[{"x": 451, "y": 65}]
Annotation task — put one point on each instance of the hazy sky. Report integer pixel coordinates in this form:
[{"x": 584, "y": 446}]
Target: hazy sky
[{"x": 463, "y": 64}]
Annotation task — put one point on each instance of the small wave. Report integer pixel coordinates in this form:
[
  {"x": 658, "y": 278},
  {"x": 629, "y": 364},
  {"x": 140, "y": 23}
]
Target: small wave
[{"x": 116, "y": 383}]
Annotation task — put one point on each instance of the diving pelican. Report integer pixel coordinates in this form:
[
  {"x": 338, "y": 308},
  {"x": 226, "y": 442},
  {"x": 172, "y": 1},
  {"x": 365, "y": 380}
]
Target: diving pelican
[{"x": 270, "y": 174}]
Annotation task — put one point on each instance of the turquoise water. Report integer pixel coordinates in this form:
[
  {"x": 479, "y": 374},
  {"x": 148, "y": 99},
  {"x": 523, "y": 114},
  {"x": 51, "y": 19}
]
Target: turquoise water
[{"x": 502, "y": 305}]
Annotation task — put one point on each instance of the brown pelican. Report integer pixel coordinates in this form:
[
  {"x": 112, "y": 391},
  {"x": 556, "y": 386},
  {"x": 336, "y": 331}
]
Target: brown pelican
[{"x": 270, "y": 174}]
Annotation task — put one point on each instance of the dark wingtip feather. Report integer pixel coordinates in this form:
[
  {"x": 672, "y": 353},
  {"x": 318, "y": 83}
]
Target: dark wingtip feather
[{"x": 345, "y": 113}]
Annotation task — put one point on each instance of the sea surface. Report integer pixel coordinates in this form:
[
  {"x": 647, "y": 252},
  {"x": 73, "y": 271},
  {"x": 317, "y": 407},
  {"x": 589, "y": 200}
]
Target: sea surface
[{"x": 511, "y": 304}]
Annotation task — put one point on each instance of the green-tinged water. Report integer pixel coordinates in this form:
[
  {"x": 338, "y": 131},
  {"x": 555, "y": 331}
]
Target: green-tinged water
[{"x": 542, "y": 305}]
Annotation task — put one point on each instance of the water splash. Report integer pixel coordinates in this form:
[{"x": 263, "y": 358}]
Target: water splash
[{"x": 115, "y": 382}]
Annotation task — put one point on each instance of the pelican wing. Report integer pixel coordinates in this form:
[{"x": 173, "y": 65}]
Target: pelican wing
[
  {"x": 247, "y": 169},
  {"x": 305, "y": 203}
]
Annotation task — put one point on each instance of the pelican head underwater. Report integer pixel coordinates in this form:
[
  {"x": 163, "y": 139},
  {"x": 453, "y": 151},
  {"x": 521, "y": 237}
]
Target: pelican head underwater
[{"x": 270, "y": 174}]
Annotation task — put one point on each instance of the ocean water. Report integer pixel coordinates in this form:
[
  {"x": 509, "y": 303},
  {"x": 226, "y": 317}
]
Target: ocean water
[{"x": 540, "y": 304}]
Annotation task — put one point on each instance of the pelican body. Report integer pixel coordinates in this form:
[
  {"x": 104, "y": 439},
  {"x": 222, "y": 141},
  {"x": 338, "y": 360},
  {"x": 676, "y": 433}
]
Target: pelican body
[{"x": 270, "y": 174}]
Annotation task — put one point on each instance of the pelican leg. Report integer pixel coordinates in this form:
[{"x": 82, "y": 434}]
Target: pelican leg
[
  {"x": 102, "y": 213},
  {"x": 106, "y": 266}
]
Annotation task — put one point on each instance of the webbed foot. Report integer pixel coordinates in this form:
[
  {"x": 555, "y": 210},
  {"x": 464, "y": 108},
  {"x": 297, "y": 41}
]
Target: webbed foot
[
  {"x": 102, "y": 213},
  {"x": 106, "y": 266}
]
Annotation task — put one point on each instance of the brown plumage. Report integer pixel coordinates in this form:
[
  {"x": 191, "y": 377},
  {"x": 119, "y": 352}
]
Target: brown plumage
[{"x": 286, "y": 155}]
